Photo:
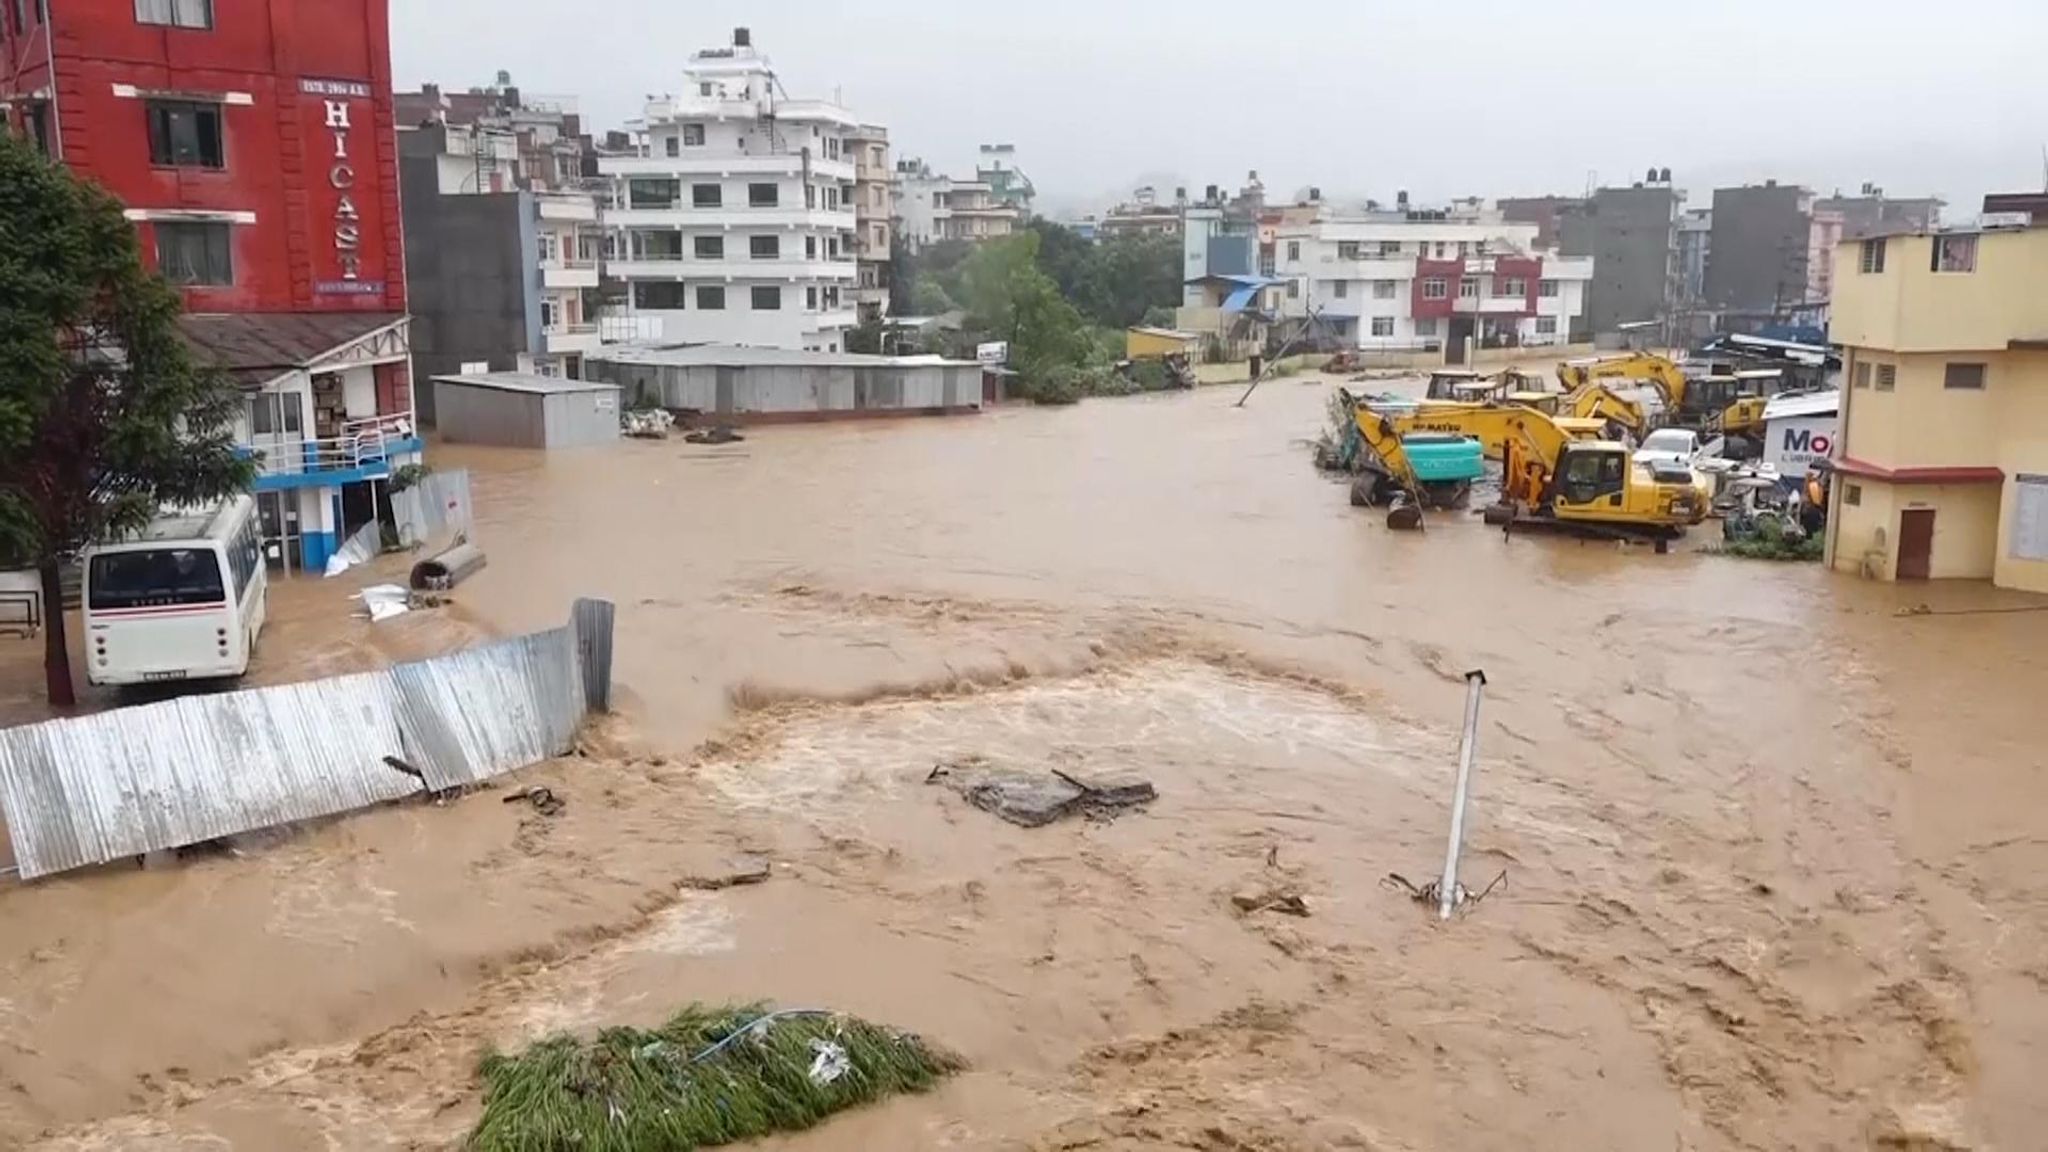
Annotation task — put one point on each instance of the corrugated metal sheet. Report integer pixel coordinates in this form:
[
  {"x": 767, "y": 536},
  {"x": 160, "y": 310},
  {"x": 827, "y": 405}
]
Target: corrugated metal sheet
[
  {"x": 535, "y": 694},
  {"x": 135, "y": 780},
  {"x": 437, "y": 505},
  {"x": 592, "y": 621}
]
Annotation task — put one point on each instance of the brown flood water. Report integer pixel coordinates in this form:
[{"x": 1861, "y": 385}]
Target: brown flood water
[{"x": 1775, "y": 853}]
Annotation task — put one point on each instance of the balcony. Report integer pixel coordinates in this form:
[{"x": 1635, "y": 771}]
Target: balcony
[
  {"x": 1369, "y": 267},
  {"x": 572, "y": 338},
  {"x": 568, "y": 209},
  {"x": 733, "y": 268},
  {"x": 680, "y": 216},
  {"x": 363, "y": 451},
  {"x": 771, "y": 164},
  {"x": 568, "y": 272},
  {"x": 1492, "y": 306}
]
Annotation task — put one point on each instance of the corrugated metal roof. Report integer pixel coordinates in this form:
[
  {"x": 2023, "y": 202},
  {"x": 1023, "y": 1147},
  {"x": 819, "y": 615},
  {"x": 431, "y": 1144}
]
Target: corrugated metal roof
[
  {"x": 1825, "y": 403},
  {"x": 96, "y": 788},
  {"x": 281, "y": 340},
  {"x": 744, "y": 356},
  {"x": 527, "y": 382}
]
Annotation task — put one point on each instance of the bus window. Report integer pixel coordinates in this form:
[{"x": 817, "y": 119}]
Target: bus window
[{"x": 155, "y": 578}]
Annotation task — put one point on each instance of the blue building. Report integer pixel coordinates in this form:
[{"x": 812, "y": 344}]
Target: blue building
[{"x": 328, "y": 417}]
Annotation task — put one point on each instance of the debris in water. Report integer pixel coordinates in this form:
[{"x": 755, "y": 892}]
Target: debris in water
[
  {"x": 752, "y": 1073},
  {"x": 723, "y": 434},
  {"x": 1430, "y": 893},
  {"x": 1271, "y": 900},
  {"x": 742, "y": 871},
  {"x": 383, "y": 601},
  {"x": 646, "y": 423},
  {"x": 1031, "y": 800},
  {"x": 542, "y": 798}
]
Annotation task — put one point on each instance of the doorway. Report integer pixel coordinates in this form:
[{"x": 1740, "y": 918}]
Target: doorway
[
  {"x": 1461, "y": 329},
  {"x": 1916, "y": 544},
  {"x": 278, "y": 518}
]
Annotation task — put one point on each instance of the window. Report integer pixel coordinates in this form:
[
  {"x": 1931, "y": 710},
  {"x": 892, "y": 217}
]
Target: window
[
  {"x": 276, "y": 414},
  {"x": 1293, "y": 250},
  {"x": 1294, "y": 289},
  {"x": 1390, "y": 247},
  {"x": 1461, "y": 249},
  {"x": 672, "y": 145},
  {"x": 1442, "y": 249},
  {"x": 1435, "y": 288},
  {"x": 1965, "y": 376},
  {"x": 550, "y": 314},
  {"x": 1343, "y": 288},
  {"x": 194, "y": 252},
  {"x": 1347, "y": 250},
  {"x": 1871, "y": 259},
  {"x": 38, "y": 124},
  {"x": 709, "y": 247},
  {"x": 1546, "y": 325},
  {"x": 1383, "y": 325},
  {"x": 938, "y": 199},
  {"x": 1546, "y": 289},
  {"x": 183, "y": 134},
  {"x": 832, "y": 247},
  {"x": 175, "y": 13},
  {"x": 660, "y": 295},
  {"x": 1383, "y": 289},
  {"x": 1955, "y": 254},
  {"x": 707, "y": 195},
  {"x": 1852, "y": 494},
  {"x": 693, "y": 135},
  {"x": 1887, "y": 377},
  {"x": 711, "y": 297},
  {"x": 764, "y": 247},
  {"x": 811, "y": 298},
  {"x": 1515, "y": 286},
  {"x": 767, "y": 297},
  {"x": 763, "y": 196},
  {"x": 704, "y": 89},
  {"x": 810, "y": 247},
  {"x": 643, "y": 193},
  {"x": 1863, "y": 375},
  {"x": 1468, "y": 288},
  {"x": 1426, "y": 326}
]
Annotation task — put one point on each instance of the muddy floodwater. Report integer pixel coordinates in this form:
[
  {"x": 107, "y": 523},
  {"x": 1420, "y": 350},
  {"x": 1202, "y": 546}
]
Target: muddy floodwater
[{"x": 1776, "y": 845}]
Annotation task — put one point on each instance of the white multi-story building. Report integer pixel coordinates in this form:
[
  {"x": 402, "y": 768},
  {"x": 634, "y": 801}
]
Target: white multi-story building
[
  {"x": 1414, "y": 279},
  {"x": 931, "y": 206},
  {"x": 732, "y": 221}
]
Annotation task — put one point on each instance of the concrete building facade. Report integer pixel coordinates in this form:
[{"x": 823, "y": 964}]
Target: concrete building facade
[
  {"x": 1633, "y": 242},
  {"x": 1426, "y": 279},
  {"x": 932, "y": 208},
  {"x": 874, "y": 214},
  {"x": 1942, "y": 465},
  {"x": 1760, "y": 248},
  {"x": 251, "y": 144},
  {"x": 732, "y": 218}
]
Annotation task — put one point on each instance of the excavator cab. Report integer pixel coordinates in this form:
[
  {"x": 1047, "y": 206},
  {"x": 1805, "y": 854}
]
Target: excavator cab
[{"x": 1593, "y": 473}]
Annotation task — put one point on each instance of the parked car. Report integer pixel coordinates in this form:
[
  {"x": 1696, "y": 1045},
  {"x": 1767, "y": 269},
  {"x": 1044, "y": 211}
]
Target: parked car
[{"x": 1670, "y": 446}]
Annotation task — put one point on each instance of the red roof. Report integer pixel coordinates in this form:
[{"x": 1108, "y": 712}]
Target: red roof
[{"x": 1960, "y": 474}]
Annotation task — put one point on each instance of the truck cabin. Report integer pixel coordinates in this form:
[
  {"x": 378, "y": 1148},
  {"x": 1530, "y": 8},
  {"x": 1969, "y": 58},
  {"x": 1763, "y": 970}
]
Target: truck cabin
[{"x": 1445, "y": 384}]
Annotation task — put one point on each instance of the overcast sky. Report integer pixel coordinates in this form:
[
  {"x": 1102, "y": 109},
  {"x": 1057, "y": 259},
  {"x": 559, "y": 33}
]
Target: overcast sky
[{"x": 1361, "y": 97}]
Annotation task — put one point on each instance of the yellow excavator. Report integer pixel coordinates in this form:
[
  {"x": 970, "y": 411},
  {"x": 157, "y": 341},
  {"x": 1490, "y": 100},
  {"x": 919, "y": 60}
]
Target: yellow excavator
[
  {"x": 1548, "y": 477},
  {"x": 1645, "y": 368},
  {"x": 1592, "y": 401},
  {"x": 1490, "y": 424}
]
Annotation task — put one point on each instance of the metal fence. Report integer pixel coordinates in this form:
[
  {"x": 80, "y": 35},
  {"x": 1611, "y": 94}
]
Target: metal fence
[{"x": 157, "y": 776}]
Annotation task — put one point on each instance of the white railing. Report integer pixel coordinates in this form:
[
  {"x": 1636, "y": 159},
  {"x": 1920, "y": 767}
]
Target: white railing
[{"x": 361, "y": 444}]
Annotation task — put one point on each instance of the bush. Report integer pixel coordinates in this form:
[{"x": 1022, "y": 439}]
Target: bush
[
  {"x": 1772, "y": 542},
  {"x": 1149, "y": 375}
]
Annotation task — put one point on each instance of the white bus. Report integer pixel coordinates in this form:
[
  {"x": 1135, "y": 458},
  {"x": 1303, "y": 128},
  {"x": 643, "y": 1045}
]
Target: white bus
[{"x": 183, "y": 599}]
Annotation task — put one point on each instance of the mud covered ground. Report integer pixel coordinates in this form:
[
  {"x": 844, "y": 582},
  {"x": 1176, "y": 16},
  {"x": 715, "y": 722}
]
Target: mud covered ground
[{"x": 1773, "y": 850}]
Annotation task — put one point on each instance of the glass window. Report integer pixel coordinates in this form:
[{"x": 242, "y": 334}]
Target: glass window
[
  {"x": 763, "y": 195},
  {"x": 1390, "y": 247},
  {"x": 1435, "y": 288},
  {"x": 1546, "y": 325},
  {"x": 707, "y": 195},
  {"x": 194, "y": 252},
  {"x": 1343, "y": 288},
  {"x": 652, "y": 193},
  {"x": 1871, "y": 259},
  {"x": 711, "y": 297},
  {"x": 1863, "y": 375},
  {"x": 1347, "y": 250},
  {"x": 764, "y": 247},
  {"x": 1293, "y": 250},
  {"x": 1426, "y": 326},
  {"x": 1383, "y": 289},
  {"x": 1968, "y": 376},
  {"x": 810, "y": 247},
  {"x": 1955, "y": 253},
  {"x": 709, "y": 247},
  {"x": 184, "y": 134},
  {"x": 660, "y": 295},
  {"x": 175, "y": 13},
  {"x": 1383, "y": 325},
  {"x": 159, "y": 577},
  {"x": 767, "y": 297},
  {"x": 1468, "y": 288},
  {"x": 1546, "y": 288},
  {"x": 811, "y": 298},
  {"x": 693, "y": 135}
]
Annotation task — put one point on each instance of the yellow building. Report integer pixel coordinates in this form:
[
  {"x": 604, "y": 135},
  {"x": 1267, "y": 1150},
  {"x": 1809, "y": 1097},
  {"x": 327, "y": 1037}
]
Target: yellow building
[
  {"x": 1942, "y": 460},
  {"x": 1143, "y": 343}
]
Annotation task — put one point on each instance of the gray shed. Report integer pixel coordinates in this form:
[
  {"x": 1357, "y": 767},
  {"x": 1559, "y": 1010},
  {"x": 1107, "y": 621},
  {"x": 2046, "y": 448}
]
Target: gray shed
[{"x": 517, "y": 410}]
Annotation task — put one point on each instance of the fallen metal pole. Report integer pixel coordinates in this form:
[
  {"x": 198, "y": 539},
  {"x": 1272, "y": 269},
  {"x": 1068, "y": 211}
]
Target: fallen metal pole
[{"x": 1447, "y": 891}]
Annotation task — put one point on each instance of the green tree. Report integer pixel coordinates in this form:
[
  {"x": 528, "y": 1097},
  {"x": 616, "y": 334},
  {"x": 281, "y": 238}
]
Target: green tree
[
  {"x": 928, "y": 299},
  {"x": 103, "y": 416},
  {"x": 1008, "y": 298}
]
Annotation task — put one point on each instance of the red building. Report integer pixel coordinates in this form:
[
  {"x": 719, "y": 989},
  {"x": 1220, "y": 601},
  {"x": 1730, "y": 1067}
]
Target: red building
[{"x": 252, "y": 144}]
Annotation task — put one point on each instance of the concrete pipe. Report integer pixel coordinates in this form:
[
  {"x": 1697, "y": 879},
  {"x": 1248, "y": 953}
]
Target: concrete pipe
[{"x": 445, "y": 571}]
